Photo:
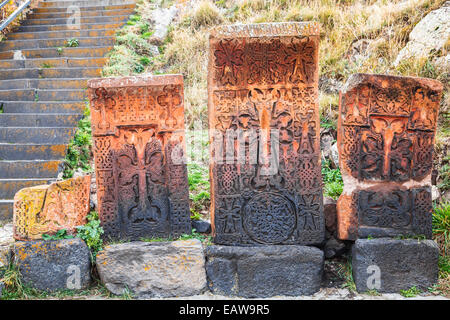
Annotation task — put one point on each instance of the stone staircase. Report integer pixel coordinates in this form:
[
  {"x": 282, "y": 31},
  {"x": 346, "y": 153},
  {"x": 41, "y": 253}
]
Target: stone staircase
[{"x": 42, "y": 88}]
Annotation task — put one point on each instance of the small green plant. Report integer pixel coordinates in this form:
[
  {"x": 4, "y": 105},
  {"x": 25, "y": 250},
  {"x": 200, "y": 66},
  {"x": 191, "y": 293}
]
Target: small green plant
[
  {"x": 195, "y": 215},
  {"x": 345, "y": 272},
  {"x": 372, "y": 292},
  {"x": 135, "y": 18},
  {"x": 327, "y": 123},
  {"x": 46, "y": 66},
  {"x": 199, "y": 196},
  {"x": 139, "y": 68},
  {"x": 145, "y": 61},
  {"x": 72, "y": 43},
  {"x": 195, "y": 235},
  {"x": 441, "y": 226},
  {"x": 59, "y": 235},
  {"x": 147, "y": 34},
  {"x": 411, "y": 292},
  {"x": 127, "y": 294},
  {"x": 59, "y": 50},
  {"x": 79, "y": 150},
  {"x": 92, "y": 233},
  {"x": 144, "y": 27},
  {"x": 332, "y": 179},
  {"x": 36, "y": 96}
]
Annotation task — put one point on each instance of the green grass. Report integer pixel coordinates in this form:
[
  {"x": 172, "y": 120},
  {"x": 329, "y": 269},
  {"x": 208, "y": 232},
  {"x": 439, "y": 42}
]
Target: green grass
[
  {"x": 345, "y": 272},
  {"x": 332, "y": 179},
  {"x": 444, "y": 174},
  {"x": 199, "y": 192},
  {"x": 441, "y": 234},
  {"x": 72, "y": 43},
  {"x": 194, "y": 235},
  {"x": 59, "y": 235},
  {"x": 92, "y": 233},
  {"x": 79, "y": 150},
  {"x": 411, "y": 292},
  {"x": 441, "y": 226}
]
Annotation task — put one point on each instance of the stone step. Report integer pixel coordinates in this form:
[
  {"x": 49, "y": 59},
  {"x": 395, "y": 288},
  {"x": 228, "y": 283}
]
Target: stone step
[
  {"x": 42, "y": 95},
  {"x": 39, "y": 73},
  {"x": 36, "y": 135},
  {"x": 65, "y": 21},
  {"x": 44, "y": 83},
  {"x": 49, "y": 63},
  {"x": 61, "y": 34},
  {"x": 64, "y": 27},
  {"x": 83, "y": 3},
  {"x": 29, "y": 168},
  {"x": 83, "y": 14},
  {"x": 44, "y": 107},
  {"x": 89, "y": 8},
  {"x": 6, "y": 210},
  {"x": 86, "y": 52},
  {"x": 39, "y": 120},
  {"x": 54, "y": 43},
  {"x": 32, "y": 151},
  {"x": 9, "y": 187}
]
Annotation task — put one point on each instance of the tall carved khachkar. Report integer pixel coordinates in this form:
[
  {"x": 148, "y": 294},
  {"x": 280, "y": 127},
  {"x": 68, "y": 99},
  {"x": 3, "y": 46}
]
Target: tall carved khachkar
[
  {"x": 138, "y": 135},
  {"x": 47, "y": 209},
  {"x": 385, "y": 139},
  {"x": 264, "y": 130}
]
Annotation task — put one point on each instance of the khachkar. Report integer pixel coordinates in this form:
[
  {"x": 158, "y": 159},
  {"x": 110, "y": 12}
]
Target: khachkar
[
  {"x": 264, "y": 130},
  {"x": 47, "y": 209},
  {"x": 138, "y": 136},
  {"x": 385, "y": 139}
]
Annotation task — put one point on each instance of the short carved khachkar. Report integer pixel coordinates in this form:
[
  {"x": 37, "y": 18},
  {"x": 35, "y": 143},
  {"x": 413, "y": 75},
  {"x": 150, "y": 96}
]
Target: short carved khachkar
[
  {"x": 264, "y": 131},
  {"x": 46, "y": 209},
  {"x": 385, "y": 139},
  {"x": 138, "y": 135}
]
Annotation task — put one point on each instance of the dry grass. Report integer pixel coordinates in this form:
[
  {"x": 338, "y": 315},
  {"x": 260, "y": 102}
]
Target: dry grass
[
  {"x": 385, "y": 23},
  {"x": 7, "y": 10}
]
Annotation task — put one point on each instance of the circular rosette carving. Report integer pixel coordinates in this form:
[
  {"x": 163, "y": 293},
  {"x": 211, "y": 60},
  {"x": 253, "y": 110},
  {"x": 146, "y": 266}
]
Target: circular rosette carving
[{"x": 269, "y": 218}]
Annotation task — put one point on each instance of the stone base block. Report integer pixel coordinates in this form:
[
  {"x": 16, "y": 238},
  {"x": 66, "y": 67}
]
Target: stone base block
[
  {"x": 264, "y": 271},
  {"x": 55, "y": 264},
  {"x": 153, "y": 269},
  {"x": 389, "y": 265}
]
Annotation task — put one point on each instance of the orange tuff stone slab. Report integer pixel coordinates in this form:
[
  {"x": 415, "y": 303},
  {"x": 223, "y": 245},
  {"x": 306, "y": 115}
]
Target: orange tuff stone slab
[
  {"x": 386, "y": 134},
  {"x": 46, "y": 209},
  {"x": 264, "y": 132},
  {"x": 139, "y": 146}
]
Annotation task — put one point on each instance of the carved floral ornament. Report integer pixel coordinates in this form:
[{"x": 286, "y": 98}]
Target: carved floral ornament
[
  {"x": 385, "y": 139},
  {"x": 139, "y": 150},
  {"x": 263, "y": 90}
]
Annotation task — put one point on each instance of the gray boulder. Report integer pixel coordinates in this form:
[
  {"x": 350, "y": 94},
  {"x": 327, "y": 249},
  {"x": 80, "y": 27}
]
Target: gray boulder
[
  {"x": 153, "y": 269},
  {"x": 201, "y": 226},
  {"x": 54, "y": 264},
  {"x": 264, "y": 271},
  {"x": 390, "y": 265},
  {"x": 162, "y": 18},
  {"x": 431, "y": 33},
  {"x": 334, "y": 248}
]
